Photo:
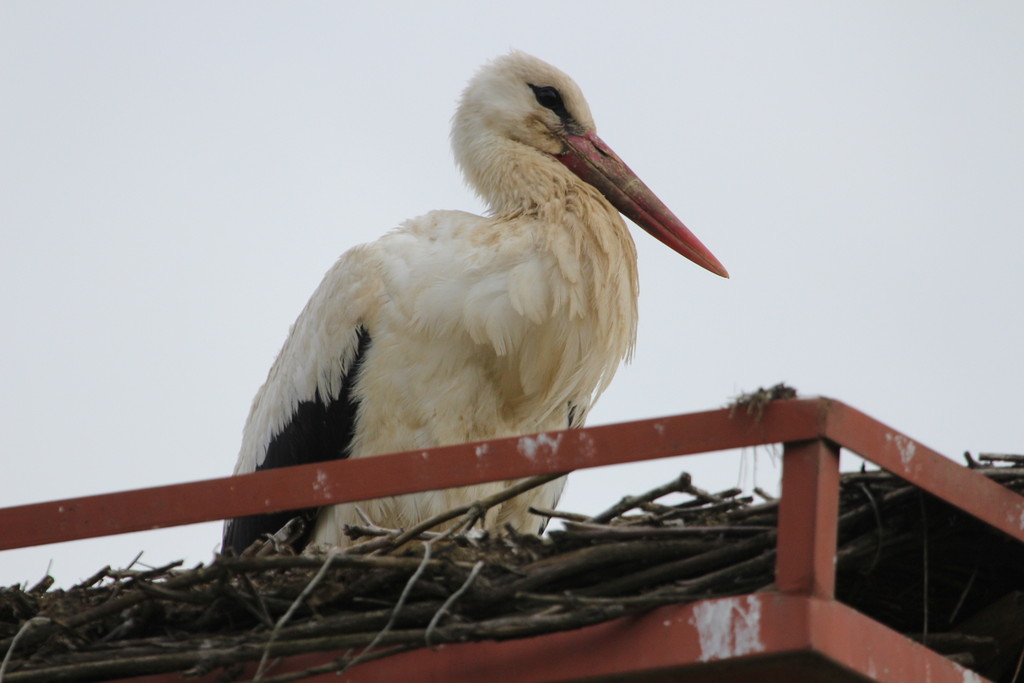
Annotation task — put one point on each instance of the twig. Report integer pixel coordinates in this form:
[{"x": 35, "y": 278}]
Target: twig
[
  {"x": 263, "y": 614},
  {"x": 369, "y": 547},
  {"x": 291, "y": 610},
  {"x": 761, "y": 509},
  {"x": 963, "y": 595},
  {"x": 702, "y": 497},
  {"x": 690, "y": 566},
  {"x": 1001, "y": 457},
  {"x": 146, "y": 574},
  {"x": 25, "y": 628},
  {"x": 398, "y": 608},
  {"x": 451, "y": 601},
  {"x": 277, "y": 542},
  {"x": 363, "y": 516},
  {"x": 881, "y": 528},
  {"x": 138, "y": 556},
  {"x": 42, "y": 585},
  {"x": 557, "y": 514},
  {"x": 595, "y": 557},
  {"x": 1020, "y": 661},
  {"x": 260, "y": 612},
  {"x": 755, "y": 401},
  {"x": 484, "y": 503},
  {"x": 604, "y": 531},
  {"x": 94, "y": 579},
  {"x": 341, "y": 559},
  {"x": 355, "y": 531},
  {"x": 338, "y": 665},
  {"x": 682, "y": 483}
]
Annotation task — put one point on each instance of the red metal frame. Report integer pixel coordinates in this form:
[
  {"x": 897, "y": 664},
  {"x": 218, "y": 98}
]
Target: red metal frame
[
  {"x": 799, "y": 628},
  {"x": 808, "y": 516},
  {"x": 759, "y": 637}
]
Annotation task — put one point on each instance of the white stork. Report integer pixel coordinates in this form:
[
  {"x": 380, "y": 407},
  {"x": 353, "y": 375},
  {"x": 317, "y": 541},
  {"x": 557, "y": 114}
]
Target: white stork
[{"x": 457, "y": 328}]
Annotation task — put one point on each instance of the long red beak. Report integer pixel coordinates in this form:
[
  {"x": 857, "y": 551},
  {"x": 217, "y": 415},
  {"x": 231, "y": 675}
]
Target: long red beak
[{"x": 593, "y": 161}]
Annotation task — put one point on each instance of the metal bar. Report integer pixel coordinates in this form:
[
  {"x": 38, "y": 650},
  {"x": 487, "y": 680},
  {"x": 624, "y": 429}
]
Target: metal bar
[
  {"x": 343, "y": 481},
  {"x": 808, "y": 519},
  {"x": 919, "y": 465},
  {"x": 385, "y": 475},
  {"x": 857, "y": 643},
  {"x": 757, "y": 637}
]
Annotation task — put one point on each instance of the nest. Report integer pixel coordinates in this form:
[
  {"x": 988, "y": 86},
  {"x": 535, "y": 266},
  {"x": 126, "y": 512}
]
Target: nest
[{"x": 905, "y": 559}]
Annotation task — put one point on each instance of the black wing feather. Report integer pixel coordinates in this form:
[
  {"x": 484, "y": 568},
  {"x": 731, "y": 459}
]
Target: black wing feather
[
  {"x": 576, "y": 416},
  {"x": 319, "y": 430}
]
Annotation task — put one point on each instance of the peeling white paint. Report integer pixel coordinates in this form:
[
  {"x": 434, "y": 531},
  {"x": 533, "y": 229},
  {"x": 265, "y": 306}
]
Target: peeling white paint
[
  {"x": 321, "y": 482},
  {"x": 728, "y": 628},
  {"x": 481, "y": 450},
  {"x": 1011, "y": 519},
  {"x": 587, "y": 448},
  {"x": 528, "y": 445},
  {"x": 904, "y": 446},
  {"x": 971, "y": 677}
]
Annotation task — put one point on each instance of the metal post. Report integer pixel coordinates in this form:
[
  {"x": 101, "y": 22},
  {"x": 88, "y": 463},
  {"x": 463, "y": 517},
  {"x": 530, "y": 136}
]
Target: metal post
[{"x": 808, "y": 516}]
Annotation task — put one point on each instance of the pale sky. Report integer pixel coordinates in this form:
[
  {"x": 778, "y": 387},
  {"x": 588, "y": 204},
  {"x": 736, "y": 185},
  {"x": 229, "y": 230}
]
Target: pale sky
[{"x": 177, "y": 176}]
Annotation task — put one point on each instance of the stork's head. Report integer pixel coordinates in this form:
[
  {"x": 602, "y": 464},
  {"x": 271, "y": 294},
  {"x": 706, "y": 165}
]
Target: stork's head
[{"x": 520, "y": 99}]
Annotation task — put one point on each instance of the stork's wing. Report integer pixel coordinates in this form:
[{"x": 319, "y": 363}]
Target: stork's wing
[
  {"x": 320, "y": 429},
  {"x": 306, "y": 410}
]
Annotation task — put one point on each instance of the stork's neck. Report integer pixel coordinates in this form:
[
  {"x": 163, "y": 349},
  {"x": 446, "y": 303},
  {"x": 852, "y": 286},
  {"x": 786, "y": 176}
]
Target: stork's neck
[
  {"x": 512, "y": 178},
  {"x": 516, "y": 180}
]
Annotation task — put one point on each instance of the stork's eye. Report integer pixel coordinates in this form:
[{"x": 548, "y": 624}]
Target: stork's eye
[{"x": 549, "y": 97}]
